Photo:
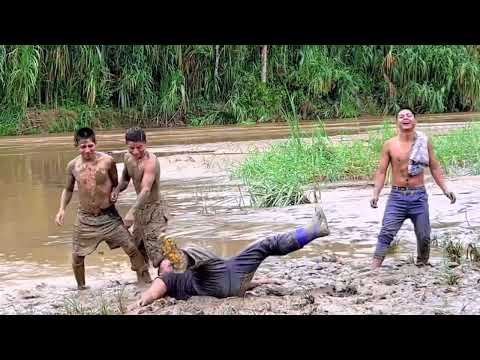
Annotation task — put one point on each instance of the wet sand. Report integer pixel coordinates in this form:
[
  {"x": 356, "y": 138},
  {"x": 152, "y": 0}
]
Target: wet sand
[{"x": 324, "y": 285}]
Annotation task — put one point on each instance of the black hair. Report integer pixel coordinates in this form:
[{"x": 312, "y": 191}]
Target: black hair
[
  {"x": 135, "y": 134},
  {"x": 84, "y": 134},
  {"x": 405, "y": 108}
]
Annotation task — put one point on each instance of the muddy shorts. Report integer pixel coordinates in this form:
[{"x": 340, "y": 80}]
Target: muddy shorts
[
  {"x": 90, "y": 230},
  {"x": 149, "y": 223}
]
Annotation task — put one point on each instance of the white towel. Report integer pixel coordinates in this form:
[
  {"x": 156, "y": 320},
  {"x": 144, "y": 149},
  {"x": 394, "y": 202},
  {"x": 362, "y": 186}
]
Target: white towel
[{"x": 419, "y": 158}]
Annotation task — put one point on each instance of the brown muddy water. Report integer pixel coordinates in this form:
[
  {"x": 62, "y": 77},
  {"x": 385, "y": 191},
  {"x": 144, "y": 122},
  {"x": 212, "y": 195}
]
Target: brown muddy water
[{"x": 206, "y": 207}]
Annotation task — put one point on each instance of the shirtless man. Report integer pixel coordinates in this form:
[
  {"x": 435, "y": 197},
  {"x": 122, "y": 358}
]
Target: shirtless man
[
  {"x": 232, "y": 277},
  {"x": 97, "y": 219},
  {"x": 408, "y": 198},
  {"x": 148, "y": 212}
]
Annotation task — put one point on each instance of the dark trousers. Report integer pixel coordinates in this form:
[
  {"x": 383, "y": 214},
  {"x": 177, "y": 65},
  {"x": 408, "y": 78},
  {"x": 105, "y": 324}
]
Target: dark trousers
[
  {"x": 406, "y": 204},
  {"x": 244, "y": 265}
]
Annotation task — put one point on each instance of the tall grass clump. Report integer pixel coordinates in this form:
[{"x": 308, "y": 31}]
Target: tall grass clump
[
  {"x": 278, "y": 176},
  {"x": 459, "y": 150}
]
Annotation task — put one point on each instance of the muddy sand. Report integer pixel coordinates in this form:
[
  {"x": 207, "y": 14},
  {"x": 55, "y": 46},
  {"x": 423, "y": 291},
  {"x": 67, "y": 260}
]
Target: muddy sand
[{"x": 320, "y": 286}]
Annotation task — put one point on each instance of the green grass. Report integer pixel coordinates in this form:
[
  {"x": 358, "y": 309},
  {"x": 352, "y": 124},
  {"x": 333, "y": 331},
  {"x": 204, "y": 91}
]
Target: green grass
[
  {"x": 115, "y": 304},
  {"x": 278, "y": 176},
  {"x": 459, "y": 149},
  {"x": 452, "y": 250},
  {"x": 76, "y": 118},
  {"x": 9, "y": 122}
]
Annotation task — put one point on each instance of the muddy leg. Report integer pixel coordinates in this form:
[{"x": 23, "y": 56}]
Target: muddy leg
[
  {"x": 421, "y": 223},
  {"x": 395, "y": 214},
  {"x": 138, "y": 263},
  {"x": 78, "y": 265},
  {"x": 138, "y": 240},
  {"x": 250, "y": 259}
]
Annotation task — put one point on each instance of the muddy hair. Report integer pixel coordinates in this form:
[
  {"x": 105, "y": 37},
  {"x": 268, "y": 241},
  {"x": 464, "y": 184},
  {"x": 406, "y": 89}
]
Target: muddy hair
[
  {"x": 84, "y": 134},
  {"x": 135, "y": 134},
  {"x": 405, "y": 108}
]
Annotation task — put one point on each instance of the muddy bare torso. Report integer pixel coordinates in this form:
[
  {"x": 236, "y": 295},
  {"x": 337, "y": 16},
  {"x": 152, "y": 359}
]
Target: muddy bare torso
[
  {"x": 399, "y": 153},
  {"x": 94, "y": 182},
  {"x": 135, "y": 170}
]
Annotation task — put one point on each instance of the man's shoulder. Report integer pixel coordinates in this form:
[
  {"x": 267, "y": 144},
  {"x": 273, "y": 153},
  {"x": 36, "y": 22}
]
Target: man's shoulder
[
  {"x": 390, "y": 141},
  {"x": 104, "y": 157},
  {"x": 151, "y": 155},
  {"x": 152, "y": 159},
  {"x": 128, "y": 159},
  {"x": 71, "y": 164}
]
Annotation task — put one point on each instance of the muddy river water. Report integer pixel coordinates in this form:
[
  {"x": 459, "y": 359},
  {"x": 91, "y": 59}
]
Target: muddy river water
[{"x": 207, "y": 207}]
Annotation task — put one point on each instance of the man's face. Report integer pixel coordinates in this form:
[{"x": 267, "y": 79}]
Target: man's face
[
  {"x": 87, "y": 149},
  {"x": 406, "y": 120},
  {"x": 165, "y": 266},
  {"x": 137, "y": 149}
]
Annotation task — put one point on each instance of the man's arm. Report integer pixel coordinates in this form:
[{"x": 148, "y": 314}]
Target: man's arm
[
  {"x": 66, "y": 194},
  {"x": 157, "y": 290},
  {"x": 146, "y": 187},
  {"x": 113, "y": 173},
  {"x": 380, "y": 174},
  {"x": 123, "y": 183},
  {"x": 437, "y": 173}
]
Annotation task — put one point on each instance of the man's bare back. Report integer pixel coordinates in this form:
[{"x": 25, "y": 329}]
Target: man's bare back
[{"x": 95, "y": 180}]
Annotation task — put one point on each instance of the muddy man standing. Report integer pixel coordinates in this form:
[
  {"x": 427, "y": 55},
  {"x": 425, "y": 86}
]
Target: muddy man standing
[
  {"x": 408, "y": 153},
  {"x": 97, "y": 218},
  {"x": 147, "y": 215}
]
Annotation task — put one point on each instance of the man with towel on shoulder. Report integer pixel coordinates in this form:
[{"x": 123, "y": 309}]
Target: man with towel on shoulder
[{"x": 408, "y": 153}]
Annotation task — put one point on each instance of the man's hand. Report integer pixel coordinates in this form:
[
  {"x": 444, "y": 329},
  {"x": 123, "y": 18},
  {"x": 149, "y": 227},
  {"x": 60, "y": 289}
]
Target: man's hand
[
  {"x": 373, "y": 202},
  {"x": 451, "y": 196},
  {"x": 114, "y": 196},
  {"x": 145, "y": 299},
  {"x": 128, "y": 220},
  {"x": 59, "y": 217}
]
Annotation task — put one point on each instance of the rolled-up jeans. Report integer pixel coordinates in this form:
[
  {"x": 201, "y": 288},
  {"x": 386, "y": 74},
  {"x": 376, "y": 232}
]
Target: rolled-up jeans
[{"x": 406, "y": 203}]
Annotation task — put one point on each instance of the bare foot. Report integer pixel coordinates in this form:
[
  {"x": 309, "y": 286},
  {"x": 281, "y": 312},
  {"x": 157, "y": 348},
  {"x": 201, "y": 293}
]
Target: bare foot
[
  {"x": 320, "y": 217},
  {"x": 423, "y": 263},
  {"x": 376, "y": 263},
  {"x": 144, "y": 278}
]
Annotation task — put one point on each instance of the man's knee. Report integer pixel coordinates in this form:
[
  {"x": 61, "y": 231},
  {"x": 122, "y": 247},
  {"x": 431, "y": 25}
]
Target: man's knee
[
  {"x": 385, "y": 238},
  {"x": 386, "y": 235},
  {"x": 280, "y": 244},
  {"x": 129, "y": 248},
  {"x": 77, "y": 260}
]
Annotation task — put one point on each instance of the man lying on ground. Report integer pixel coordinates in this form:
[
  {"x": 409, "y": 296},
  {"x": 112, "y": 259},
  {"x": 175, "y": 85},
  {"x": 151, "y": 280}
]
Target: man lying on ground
[{"x": 232, "y": 277}]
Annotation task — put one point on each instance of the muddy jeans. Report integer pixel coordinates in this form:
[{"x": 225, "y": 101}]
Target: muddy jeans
[
  {"x": 245, "y": 264},
  {"x": 406, "y": 203}
]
